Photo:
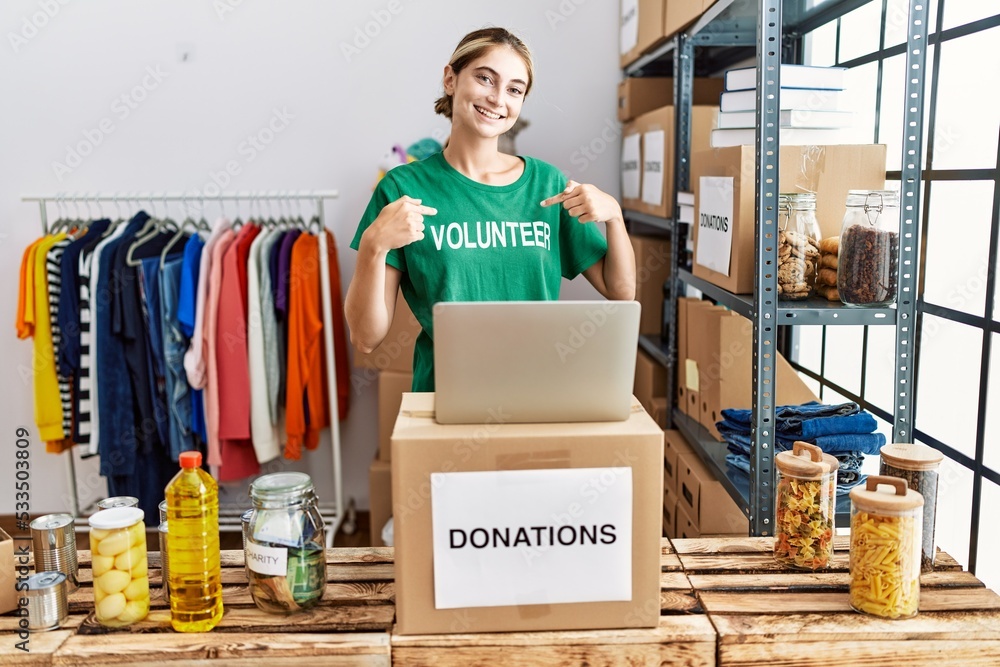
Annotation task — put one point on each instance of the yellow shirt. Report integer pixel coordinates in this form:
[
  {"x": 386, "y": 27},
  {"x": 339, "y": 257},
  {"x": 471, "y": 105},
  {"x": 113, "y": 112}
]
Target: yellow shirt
[{"x": 48, "y": 405}]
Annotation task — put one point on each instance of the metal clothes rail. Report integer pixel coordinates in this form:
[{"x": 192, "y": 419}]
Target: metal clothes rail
[{"x": 334, "y": 514}]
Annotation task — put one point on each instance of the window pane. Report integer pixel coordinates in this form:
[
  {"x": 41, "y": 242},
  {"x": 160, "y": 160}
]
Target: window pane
[
  {"x": 896, "y": 20},
  {"x": 968, "y": 109},
  {"x": 954, "y": 500},
  {"x": 861, "y": 91},
  {"x": 880, "y": 368},
  {"x": 809, "y": 347},
  {"x": 843, "y": 357},
  {"x": 859, "y": 31},
  {"x": 987, "y": 563},
  {"x": 991, "y": 455},
  {"x": 891, "y": 116},
  {"x": 948, "y": 382},
  {"x": 821, "y": 46},
  {"x": 957, "y": 262},
  {"x": 960, "y": 12}
]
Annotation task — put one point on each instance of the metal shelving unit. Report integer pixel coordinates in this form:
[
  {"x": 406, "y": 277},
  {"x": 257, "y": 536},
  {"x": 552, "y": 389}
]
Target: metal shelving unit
[{"x": 723, "y": 35}]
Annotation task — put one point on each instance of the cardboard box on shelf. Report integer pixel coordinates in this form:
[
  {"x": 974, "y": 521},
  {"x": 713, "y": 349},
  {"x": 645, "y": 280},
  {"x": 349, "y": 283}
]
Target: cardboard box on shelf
[
  {"x": 659, "y": 413},
  {"x": 685, "y": 527},
  {"x": 650, "y": 380},
  {"x": 705, "y": 501},
  {"x": 679, "y": 14},
  {"x": 728, "y": 200},
  {"x": 396, "y": 351},
  {"x": 9, "y": 597},
  {"x": 657, "y": 176},
  {"x": 669, "y": 513},
  {"x": 641, "y": 28},
  {"x": 379, "y": 499},
  {"x": 698, "y": 349},
  {"x": 490, "y": 462},
  {"x": 673, "y": 445},
  {"x": 391, "y": 387},
  {"x": 631, "y": 165},
  {"x": 724, "y": 355},
  {"x": 652, "y": 270},
  {"x": 638, "y": 95}
]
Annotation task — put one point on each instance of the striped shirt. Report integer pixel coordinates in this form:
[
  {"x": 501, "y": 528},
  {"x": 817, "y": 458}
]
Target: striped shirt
[{"x": 53, "y": 273}]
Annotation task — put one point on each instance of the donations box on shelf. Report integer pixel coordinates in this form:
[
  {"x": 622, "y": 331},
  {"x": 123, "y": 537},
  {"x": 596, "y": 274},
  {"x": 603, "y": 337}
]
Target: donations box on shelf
[{"x": 517, "y": 527}]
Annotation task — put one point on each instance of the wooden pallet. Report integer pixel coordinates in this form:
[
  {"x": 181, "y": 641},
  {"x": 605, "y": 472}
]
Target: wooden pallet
[{"x": 767, "y": 615}]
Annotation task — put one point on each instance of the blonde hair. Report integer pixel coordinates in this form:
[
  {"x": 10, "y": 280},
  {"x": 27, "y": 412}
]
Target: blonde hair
[{"x": 474, "y": 45}]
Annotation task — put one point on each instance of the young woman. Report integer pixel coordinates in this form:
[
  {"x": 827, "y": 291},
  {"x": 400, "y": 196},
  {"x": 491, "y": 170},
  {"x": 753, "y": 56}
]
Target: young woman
[{"x": 474, "y": 224}]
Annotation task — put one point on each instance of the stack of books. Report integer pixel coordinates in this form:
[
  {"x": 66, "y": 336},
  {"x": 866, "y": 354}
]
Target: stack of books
[{"x": 812, "y": 107}]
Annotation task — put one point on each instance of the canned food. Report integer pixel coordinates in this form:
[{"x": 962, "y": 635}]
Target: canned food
[
  {"x": 164, "y": 565},
  {"x": 118, "y": 501},
  {"x": 53, "y": 538},
  {"x": 47, "y": 601},
  {"x": 163, "y": 510}
]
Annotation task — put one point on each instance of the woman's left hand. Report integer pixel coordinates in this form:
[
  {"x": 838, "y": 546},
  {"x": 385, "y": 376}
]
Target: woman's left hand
[{"x": 587, "y": 203}]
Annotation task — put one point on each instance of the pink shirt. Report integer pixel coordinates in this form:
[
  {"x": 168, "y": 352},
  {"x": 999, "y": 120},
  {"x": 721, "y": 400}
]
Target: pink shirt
[
  {"x": 226, "y": 239},
  {"x": 195, "y": 365}
]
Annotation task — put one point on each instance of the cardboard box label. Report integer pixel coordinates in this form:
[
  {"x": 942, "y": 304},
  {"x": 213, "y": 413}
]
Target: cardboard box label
[
  {"x": 629, "y": 36},
  {"x": 652, "y": 167},
  {"x": 715, "y": 223},
  {"x": 691, "y": 374},
  {"x": 630, "y": 167},
  {"x": 543, "y": 537}
]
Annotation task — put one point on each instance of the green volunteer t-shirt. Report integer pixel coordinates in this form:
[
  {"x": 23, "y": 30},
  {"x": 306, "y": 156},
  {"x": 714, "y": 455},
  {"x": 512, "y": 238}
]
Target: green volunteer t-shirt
[{"x": 486, "y": 243}]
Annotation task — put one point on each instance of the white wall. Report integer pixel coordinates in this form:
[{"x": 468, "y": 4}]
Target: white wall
[{"x": 223, "y": 68}]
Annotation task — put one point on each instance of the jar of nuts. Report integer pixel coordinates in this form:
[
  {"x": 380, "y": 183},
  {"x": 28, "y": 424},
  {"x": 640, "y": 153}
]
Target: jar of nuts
[{"x": 798, "y": 245}]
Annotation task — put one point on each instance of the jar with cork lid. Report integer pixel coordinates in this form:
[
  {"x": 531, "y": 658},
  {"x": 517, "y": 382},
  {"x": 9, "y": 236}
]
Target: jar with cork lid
[
  {"x": 805, "y": 507},
  {"x": 918, "y": 465},
  {"x": 886, "y": 522}
]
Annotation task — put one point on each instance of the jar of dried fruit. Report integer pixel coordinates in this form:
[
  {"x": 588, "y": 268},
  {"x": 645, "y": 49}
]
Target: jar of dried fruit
[
  {"x": 798, "y": 245},
  {"x": 805, "y": 505},
  {"x": 885, "y": 548},
  {"x": 868, "y": 264}
]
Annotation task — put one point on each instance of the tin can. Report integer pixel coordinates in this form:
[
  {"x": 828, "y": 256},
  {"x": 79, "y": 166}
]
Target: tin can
[
  {"x": 164, "y": 564},
  {"x": 118, "y": 501},
  {"x": 47, "y": 601},
  {"x": 53, "y": 539},
  {"x": 163, "y": 510}
]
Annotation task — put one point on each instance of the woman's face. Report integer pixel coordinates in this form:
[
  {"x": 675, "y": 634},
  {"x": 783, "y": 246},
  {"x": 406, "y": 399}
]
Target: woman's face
[{"x": 487, "y": 94}]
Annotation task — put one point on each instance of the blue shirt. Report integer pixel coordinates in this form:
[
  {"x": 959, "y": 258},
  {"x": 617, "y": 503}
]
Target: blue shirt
[{"x": 188, "y": 299}]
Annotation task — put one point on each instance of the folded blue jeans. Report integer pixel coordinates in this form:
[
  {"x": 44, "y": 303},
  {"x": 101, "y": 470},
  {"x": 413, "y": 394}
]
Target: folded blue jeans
[
  {"x": 866, "y": 443},
  {"x": 846, "y": 479}
]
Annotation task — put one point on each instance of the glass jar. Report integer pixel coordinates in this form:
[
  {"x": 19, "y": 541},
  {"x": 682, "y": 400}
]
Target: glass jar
[
  {"x": 119, "y": 564},
  {"x": 285, "y": 544},
  {"x": 868, "y": 264},
  {"x": 885, "y": 548},
  {"x": 798, "y": 245},
  {"x": 918, "y": 465},
  {"x": 805, "y": 506}
]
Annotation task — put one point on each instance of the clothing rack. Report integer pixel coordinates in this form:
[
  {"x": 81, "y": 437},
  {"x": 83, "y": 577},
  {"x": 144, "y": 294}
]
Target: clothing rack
[{"x": 334, "y": 514}]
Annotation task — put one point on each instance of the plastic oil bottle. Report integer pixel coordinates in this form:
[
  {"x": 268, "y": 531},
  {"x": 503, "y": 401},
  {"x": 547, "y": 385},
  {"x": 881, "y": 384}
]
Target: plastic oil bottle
[{"x": 195, "y": 577}]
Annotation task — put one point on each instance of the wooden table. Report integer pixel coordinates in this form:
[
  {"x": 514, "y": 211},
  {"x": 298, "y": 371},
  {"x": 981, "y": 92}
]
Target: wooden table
[{"x": 723, "y": 601}]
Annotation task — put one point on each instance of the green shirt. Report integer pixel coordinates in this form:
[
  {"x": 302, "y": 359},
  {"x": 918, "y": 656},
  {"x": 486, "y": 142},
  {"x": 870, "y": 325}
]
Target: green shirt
[{"x": 486, "y": 243}]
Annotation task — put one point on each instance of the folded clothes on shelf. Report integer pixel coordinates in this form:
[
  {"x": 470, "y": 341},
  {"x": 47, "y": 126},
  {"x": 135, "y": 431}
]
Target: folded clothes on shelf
[
  {"x": 848, "y": 460},
  {"x": 866, "y": 443},
  {"x": 846, "y": 479},
  {"x": 809, "y": 420}
]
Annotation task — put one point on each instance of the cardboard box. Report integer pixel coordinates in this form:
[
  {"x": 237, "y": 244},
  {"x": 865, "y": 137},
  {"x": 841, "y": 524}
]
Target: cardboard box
[
  {"x": 699, "y": 348},
  {"x": 646, "y": 23},
  {"x": 638, "y": 95},
  {"x": 685, "y": 527},
  {"x": 650, "y": 380},
  {"x": 669, "y": 513},
  {"x": 379, "y": 499},
  {"x": 652, "y": 270},
  {"x": 660, "y": 409},
  {"x": 658, "y": 126},
  {"x": 679, "y": 14},
  {"x": 631, "y": 165},
  {"x": 391, "y": 387},
  {"x": 396, "y": 351},
  {"x": 422, "y": 447},
  {"x": 9, "y": 597},
  {"x": 674, "y": 445},
  {"x": 829, "y": 171},
  {"x": 707, "y": 504},
  {"x": 724, "y": 355}
]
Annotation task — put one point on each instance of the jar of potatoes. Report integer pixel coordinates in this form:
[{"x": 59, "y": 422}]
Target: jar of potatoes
[{"x": 118, "y": 552}]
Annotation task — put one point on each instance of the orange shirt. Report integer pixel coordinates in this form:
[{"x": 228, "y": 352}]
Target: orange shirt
[{"x": 307, "y": 383}]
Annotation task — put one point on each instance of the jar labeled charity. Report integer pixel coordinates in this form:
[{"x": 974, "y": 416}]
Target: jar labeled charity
[
  {"x": 798, "y": 245},
  {"x": 285, "y": 544},
  {"x": 918, "y": 465},
  {"x": 805, "y": 507},
  {"x": 119, "y": 564},
  {"x": 868, "y": 264},
  {"x": 886, "y": 523}
]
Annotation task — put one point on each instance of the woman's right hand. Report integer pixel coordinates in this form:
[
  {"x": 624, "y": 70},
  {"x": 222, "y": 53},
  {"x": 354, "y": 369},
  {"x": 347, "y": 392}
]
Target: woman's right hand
[{"x": 399, "y": 223}]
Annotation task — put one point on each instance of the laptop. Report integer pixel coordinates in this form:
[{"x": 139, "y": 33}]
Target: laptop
[{"x": 534, "y": 361}]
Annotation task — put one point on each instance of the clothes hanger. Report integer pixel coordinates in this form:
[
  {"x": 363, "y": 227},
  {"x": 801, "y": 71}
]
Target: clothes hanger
[
  {"x": 153, "y": 227},
  {"x": 189, "y": 223}
]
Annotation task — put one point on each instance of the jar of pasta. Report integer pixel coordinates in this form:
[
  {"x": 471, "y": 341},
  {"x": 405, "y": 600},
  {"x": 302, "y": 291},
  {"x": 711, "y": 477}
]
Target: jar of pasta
[
  {"x": 805, "y": 505},
  {"x": 886, "y": 523},
  {"x": 119, "y": 564}
]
